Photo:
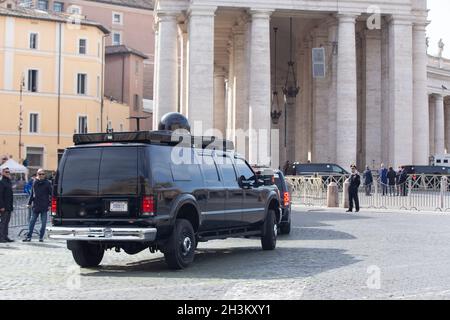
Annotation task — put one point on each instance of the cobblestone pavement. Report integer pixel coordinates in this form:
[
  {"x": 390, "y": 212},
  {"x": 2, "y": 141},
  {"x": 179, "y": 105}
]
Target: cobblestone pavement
[{"x": 329, "y": 255}]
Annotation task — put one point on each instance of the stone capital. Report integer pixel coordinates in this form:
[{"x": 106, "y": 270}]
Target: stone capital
[
  {"x": 201, "y": 10},
  {"x": 402, "y": 20},
  {"x": 257, "y": 13},
  {"x": 347, "y": 17},
  {"x": 167, "y": 15}
]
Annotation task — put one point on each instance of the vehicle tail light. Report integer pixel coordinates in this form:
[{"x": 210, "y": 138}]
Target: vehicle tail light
[
  {"x": 54, "y": 207},
  {"x": 148, "y": 206},
  {"x": 286, "y": 198}
]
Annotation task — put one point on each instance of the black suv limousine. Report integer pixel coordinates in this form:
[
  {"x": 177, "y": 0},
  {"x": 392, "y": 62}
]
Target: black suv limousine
[{"x": 157, "y": 190}]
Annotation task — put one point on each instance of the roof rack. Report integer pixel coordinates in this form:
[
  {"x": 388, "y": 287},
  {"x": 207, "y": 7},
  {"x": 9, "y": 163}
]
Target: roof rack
[{"x": 154, "y": 137}]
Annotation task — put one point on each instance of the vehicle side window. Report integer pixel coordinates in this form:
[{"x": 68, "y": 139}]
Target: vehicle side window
[
  {"x": 244, "y": 170},
  {"x": 209, "y": 168},
  {"x": 80, "y": 173},
  {"x": 228, "y": 172}
]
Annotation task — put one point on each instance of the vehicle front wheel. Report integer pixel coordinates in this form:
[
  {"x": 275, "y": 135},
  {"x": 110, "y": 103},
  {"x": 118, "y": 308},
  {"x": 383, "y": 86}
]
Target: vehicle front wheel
[
  {"x": 88, "y": 255},
  {"x": 285, "y": 228},
  {"x": 269, "y": 238},
  {"x": 180, "y": 248}
]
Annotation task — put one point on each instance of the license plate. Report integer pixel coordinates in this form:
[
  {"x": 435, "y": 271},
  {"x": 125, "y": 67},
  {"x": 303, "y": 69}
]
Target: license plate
[{"x": 118, "y": 206}]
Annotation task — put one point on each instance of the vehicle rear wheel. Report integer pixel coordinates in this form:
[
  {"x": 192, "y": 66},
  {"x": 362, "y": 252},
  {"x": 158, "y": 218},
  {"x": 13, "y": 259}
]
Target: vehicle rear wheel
[
  {"x": 180, "y": 248},
  {"x": 269, "y": 238},
  {"x": 285, "y": 228},
  {"x": 88, "y": 255}
]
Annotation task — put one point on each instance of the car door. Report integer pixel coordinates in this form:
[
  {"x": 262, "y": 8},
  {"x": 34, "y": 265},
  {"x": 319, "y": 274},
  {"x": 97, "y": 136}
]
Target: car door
[
  {"x": 213, "y": 211},
  {"x": 234, "y": 193},
  {"x": 253, "y": 207}
]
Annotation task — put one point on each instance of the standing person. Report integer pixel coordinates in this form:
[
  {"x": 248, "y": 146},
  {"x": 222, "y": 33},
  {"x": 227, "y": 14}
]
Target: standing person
[
  {"x": 41, "y": 195},
  {"x": 355, "y": 181},
  {"x": 391, "y": 175},
  {"x": 286, "y": 168},
  {"x": 368, "y": 181},
  {"x": 397, "y": 180},
  {"x": 6, "y": 204},
  {"x": 402, "y": 181},
  {"x": 383, "y": 179}
]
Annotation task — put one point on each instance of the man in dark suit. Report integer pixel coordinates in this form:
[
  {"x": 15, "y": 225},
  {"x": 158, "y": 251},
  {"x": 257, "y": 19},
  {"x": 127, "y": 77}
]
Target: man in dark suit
[
  {"x": 355, "y": 181},
  {"x": 6, "y": 204}
]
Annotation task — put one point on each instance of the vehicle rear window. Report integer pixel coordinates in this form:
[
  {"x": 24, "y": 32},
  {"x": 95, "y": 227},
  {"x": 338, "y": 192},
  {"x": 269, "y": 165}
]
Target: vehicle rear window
[
  {"x": 312, "y": 168},
  {"x": 118, "y": 171},
  {"x": 100, "y": 171},
  {"x": 80, "y": 175}
]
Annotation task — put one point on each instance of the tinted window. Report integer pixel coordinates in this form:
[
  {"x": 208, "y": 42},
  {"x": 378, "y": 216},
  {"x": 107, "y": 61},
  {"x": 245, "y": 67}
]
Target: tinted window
[
  {"x": 118, "y": 171},
  {"x": 228, "y": 173},
  {"x": 80, "y": 173},
  {"x": 209, "y": 168},
  {"x": 244, "y": 170},
  {"x": 312, "y": 168}
]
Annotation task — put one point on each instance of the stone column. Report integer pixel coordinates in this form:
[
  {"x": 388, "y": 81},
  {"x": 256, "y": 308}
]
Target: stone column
[
  {"x": 420, "y": 96},
  {"x": 241, "y": 114},
  {"x": 259, "y": 101},
  {"x": 183, "y": 38},
  {"x": 155, "y": 77},
  {"x": 166, "y": 60},
  {"x": 230, "y": 93},
  {"x": 439, "y": 128},
  {"x": 431, "y": 122},
  {"x": 201, "y": 68},
  {"x": 219, "y": 102},
  {"x": 401, "y": 91},
  {"x": 373, "y": 142},
  {"x": 346, "y": 92},
  {"x": 320, "y": 87},
  {"x": 385, "y": 93},
  {"x": 332, "y": 87}
]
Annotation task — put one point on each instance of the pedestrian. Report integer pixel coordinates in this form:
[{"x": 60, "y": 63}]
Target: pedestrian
[
  {"x": 391, "y": 176},
  {"x": 383, "y": 179},
  {"x": 286, "y": 168},
  {"x": 41, "y": 195},
  {"x": 397, "y": 180},
  {"x": 368, "y": 181},
  {"x": 402, "y": 181},
  {"x": 355, "y": 181},
  {"x": 6, "y": 204}
]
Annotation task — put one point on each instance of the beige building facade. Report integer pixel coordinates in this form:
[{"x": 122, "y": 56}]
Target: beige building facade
[
  {"x": 50, "y": 85},
  {"x": 361, "y": 68}
]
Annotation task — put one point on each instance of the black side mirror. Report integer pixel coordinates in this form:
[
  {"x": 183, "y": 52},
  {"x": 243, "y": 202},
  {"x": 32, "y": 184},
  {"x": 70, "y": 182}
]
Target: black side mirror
[{"x": 245, "y": 184}]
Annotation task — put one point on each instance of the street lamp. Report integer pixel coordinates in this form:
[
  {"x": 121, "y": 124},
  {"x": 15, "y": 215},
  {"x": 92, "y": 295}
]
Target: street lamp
[{"x": 291, "y": 88}]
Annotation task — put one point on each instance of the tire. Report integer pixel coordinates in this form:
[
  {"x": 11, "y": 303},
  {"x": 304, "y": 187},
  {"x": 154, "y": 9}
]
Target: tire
[
  {"x": 285, "y": 228},
  {"x": 180, "y": 248},
  {"x": 269, "y": 238},
  {"x": 88, "y": 255}
]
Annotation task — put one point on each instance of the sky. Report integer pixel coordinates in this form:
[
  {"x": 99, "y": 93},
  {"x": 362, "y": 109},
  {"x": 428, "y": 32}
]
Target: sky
[{"x": 439, "y": 15}]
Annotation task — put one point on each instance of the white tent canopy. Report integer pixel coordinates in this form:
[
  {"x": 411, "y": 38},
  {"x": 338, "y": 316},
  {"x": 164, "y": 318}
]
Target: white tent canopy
[{"x": 14, "y": 167}]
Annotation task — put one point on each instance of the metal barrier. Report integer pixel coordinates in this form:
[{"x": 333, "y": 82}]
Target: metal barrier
[
  {"x": 422, "y": 193},
  {"x": 21, "y": 214}
]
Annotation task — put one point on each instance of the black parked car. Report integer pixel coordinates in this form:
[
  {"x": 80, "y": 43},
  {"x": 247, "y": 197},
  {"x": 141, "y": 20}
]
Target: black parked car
[
  {"x": 128, "y": 191},
  {"x": 323, "y": 169},
  {"x": 285, "y": 195},
  {"x": 429, "y": 173}
]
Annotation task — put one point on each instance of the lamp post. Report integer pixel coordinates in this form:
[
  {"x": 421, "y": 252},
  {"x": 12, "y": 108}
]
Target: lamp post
[{"x": 22, "y": 84}]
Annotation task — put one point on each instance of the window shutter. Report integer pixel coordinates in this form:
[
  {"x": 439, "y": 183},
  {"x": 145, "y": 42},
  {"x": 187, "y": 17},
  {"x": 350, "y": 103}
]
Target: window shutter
[{"x": 318, "y": 62}]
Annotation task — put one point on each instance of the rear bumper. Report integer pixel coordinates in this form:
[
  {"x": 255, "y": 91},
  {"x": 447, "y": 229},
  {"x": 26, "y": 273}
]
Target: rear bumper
[{"x": 102, "y": 234}]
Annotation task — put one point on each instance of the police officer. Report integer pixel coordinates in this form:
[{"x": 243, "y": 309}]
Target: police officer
[
  {"x": 6, "y": 204},
  {"x": 355, "y": 181}
]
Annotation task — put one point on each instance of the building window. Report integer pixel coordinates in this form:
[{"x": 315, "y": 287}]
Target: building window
[
  {"x": 26, "y": 3},
  {"x": 42, "y": 5},
  {"x": 81, "y": 83},
  {"x": 136, "y": 103},
  {"x": 82, "y": 46},
  {"x": 98, "y": 86},
  {"x": 117, "y": 39},
  {"x": 35, "y": 157},
  {"x": 33, "y": 80},
  {"x": 117, "y": 18},
  {"x": 82, "y": 124},
  {"x": 121, "y": 127},
  {"x": 60, "y": 155},
  {"x": 74, "y": 10},
  {"x": 34, "y": 122},
  {"x": 318, "y": 60},
  {"x": 58, "y": 6},
  {"x": 33, "y": 40},
  {"x": 136, "y": 67}
]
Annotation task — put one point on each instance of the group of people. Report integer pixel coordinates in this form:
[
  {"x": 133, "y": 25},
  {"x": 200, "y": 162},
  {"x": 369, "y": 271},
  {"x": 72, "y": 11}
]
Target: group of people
[
  {"x": 39, "y": 203},
  {"x": 393, "y": 182}
]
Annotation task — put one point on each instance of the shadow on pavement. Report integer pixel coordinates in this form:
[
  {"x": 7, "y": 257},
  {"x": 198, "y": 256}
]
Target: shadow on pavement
[
  {"x": 239, "y": 263},
  {"x": 317, "y": 218},
  {"x": 298, "y": 233}
]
